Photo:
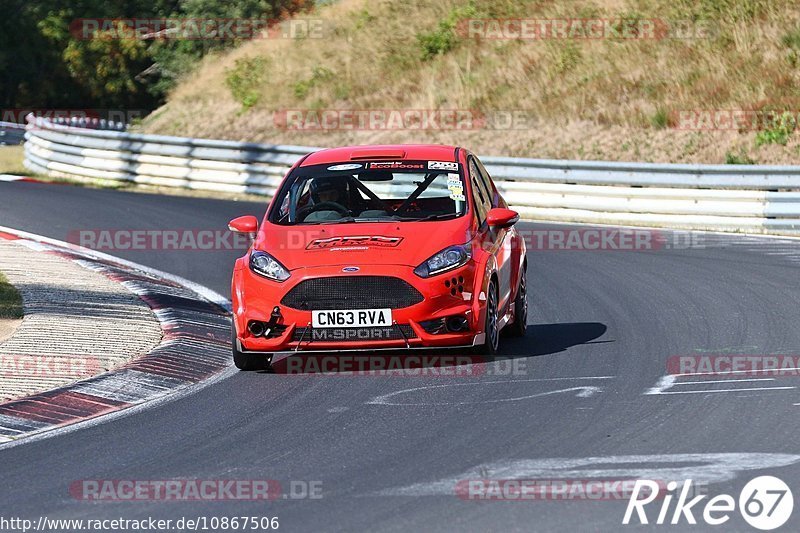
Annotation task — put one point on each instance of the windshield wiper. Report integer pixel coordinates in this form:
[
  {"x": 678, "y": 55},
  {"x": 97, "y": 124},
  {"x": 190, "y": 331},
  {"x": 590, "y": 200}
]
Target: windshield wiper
[
  {"x": 389, "y": 218},
  {"x": 344, "y": 220},
  {"x": 439, "y": 216},
  {"x": 360, "y": 220}
]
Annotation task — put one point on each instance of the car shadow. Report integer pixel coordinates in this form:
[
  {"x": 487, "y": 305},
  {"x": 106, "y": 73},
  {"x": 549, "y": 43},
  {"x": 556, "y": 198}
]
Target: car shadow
[
  {"x": 542, "y": 339},
  {"x": 546, "y": 339}
]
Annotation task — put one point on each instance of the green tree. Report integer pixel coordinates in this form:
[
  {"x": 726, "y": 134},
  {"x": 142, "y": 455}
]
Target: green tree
[{"x": 47, "y": 64}]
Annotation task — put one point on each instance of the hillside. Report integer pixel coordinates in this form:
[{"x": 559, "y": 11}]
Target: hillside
[{"x": 616, "y": 96}]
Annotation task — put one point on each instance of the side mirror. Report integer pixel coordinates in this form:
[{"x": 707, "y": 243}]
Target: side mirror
[
  {"x": 501, "y": 218},
  {"x": 245, "y": 224}
]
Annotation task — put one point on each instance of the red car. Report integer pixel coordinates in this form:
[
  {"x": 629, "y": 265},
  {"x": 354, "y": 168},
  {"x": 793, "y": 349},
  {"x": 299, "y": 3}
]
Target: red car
[{"x": 379, "y": 247}]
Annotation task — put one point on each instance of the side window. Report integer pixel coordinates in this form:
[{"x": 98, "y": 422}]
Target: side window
[
  {"x": 497, "y": 200},
  {"x": 298, "y": 197},
  {"x": 480, "y": 196}
]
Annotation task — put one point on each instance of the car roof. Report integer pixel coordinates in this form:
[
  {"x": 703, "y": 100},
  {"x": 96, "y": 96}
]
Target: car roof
[{"x": 435, "y": 152}]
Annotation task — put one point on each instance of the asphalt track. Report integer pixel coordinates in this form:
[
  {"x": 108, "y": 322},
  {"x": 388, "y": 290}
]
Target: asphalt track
[{"x": 601, "y": 329}]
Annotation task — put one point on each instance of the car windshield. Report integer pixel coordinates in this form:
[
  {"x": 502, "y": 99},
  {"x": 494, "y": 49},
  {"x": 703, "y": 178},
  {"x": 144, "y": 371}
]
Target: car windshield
[{"x": 378, "y": 191}]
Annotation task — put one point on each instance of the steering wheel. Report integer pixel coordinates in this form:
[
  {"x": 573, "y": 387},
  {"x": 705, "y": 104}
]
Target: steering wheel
[
  {"x": 303, "y": 212},
  {"x": 410, "y": 208}
]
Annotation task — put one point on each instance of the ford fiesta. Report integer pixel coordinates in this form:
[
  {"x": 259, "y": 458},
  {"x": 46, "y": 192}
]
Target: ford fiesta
[{"x": 379, "y": 247}]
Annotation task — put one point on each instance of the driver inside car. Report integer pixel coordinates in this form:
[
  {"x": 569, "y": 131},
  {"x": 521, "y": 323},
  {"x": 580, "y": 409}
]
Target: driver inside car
[
  {"x": 329, "y": 190},
  {"x": 333, "y": 198},
  {"x": 330, "y": 199}
]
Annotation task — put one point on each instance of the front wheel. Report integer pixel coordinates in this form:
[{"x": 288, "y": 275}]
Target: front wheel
[
  {"x": 248, "y": 361},
  {"x": 492, "y": 334}
]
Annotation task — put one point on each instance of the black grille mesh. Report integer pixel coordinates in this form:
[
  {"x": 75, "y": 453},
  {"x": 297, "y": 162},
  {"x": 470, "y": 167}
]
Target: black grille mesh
[{"x": 352, "y": 292}]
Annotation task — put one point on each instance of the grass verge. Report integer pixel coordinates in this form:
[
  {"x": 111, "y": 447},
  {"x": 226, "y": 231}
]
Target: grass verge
[
  {"x": 10, "y": 300},
  {"x": 11, "y": 160}
]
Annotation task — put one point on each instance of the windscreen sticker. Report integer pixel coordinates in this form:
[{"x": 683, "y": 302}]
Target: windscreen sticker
[
  {"x": 442, "y": 165},
  {"x": 346, "y": 166},
  {"x": 395, "y": 165},
  {"x": 454, "y": 178},
  {"x": 456, "y": 191}
]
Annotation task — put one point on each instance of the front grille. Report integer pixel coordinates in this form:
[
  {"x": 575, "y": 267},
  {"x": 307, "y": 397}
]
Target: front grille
[
  {"x": 353, "y": 334},
  {"x": 352, "y": 292}
]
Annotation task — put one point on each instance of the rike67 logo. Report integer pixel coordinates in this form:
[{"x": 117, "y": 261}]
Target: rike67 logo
[{"x": 765, "y": 503}]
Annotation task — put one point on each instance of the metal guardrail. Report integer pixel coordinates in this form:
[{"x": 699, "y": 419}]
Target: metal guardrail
[
  {"x": 752, "y": 198},
  {"x": 90, "y": 123},
  {"x": 11, "y": 133}
]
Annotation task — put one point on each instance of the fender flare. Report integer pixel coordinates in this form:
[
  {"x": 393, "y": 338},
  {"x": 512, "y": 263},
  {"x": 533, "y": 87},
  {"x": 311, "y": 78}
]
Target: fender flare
[{"x": 484, "y": 270}]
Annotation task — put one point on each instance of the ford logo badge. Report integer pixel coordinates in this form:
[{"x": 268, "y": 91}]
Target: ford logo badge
[{"x": 350, "y": 269}]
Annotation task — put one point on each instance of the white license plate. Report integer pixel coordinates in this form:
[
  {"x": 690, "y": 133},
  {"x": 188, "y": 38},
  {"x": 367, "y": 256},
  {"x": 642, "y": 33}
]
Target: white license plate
[{"x": 351, "y": 318}]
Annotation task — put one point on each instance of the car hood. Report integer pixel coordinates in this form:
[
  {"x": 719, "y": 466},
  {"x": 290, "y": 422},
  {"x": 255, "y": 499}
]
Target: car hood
[{"x": 359, "y": 244}]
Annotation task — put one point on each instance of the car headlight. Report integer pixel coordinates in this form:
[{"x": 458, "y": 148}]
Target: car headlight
[
  {"x": 265, "y": 265},
  {"x": 448, "y": 259}
]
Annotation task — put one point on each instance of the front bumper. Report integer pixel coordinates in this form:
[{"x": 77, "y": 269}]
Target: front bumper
[{"x": 255, "y": 298}]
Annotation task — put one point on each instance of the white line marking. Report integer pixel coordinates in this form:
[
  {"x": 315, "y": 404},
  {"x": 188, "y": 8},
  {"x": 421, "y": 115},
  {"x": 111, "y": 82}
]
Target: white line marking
[
  {"x": 722, "y": 381},
  {"x": 663, "y": 384},
  {"x": 726, "y": 390},
  {"x": 572, "y": 378},
  {"x": 671, "y": 380},
  {"x": 582, "y": 392},
  {"x": 33, "y": 245},
  {"x": 726, "y": 372}
]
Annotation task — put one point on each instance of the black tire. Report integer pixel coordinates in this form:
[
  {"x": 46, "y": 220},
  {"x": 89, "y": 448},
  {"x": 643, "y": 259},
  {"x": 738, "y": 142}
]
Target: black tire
[
  {"x": 517, "y": 329},
  {"x": 492, "y": 341},
  {"x": 247, "y": 361}
]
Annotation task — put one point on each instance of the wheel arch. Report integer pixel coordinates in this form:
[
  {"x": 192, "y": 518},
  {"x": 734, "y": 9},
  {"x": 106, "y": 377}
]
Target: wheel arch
[{"x": 485, "y": 272}]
